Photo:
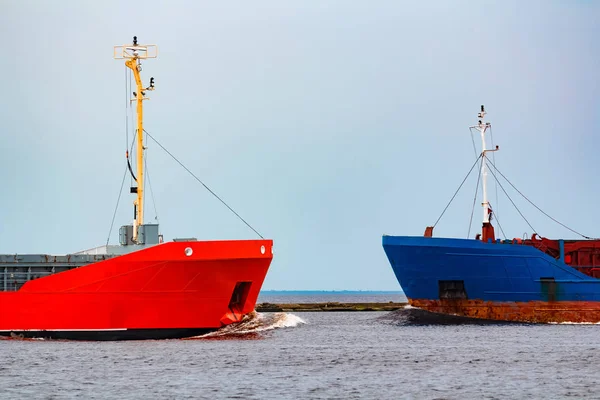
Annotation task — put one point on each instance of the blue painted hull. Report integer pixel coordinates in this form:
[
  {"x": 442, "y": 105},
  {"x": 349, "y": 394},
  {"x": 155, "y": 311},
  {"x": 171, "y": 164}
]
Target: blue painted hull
[{"x": 507, "y": 278}]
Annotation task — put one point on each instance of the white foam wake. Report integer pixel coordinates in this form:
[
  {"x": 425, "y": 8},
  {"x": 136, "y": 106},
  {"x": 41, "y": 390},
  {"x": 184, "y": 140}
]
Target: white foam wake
[{"x": 255, "y": 323}]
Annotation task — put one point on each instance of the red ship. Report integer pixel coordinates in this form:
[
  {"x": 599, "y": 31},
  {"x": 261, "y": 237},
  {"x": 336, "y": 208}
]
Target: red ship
[{"x": 140, "y": 289}]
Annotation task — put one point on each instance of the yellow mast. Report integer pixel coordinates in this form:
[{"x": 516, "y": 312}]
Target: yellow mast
[{"x": 133, "y": 54}]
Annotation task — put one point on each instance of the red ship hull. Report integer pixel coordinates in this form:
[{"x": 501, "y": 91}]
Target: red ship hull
[{"x": 155, "y": 293}]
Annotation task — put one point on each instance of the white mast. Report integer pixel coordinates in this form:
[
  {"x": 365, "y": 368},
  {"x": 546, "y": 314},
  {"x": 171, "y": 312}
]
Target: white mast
[{"x": 482, "y": 128}]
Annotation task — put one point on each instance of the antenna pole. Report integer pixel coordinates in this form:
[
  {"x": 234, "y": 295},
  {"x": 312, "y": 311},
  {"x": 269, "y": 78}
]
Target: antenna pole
[{"x": 134, "y": 53}]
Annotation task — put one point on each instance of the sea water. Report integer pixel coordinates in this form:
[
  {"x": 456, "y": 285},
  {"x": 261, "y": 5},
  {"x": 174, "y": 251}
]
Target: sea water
[{"x": 317, "y": 355}]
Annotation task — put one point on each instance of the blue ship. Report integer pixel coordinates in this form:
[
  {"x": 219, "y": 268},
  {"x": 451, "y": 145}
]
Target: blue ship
[{"x": 524, "y": 280}]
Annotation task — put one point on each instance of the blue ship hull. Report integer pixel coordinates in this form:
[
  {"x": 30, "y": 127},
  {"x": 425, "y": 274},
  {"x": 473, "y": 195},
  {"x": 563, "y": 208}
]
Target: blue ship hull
[{"x": 501, "y": 281}]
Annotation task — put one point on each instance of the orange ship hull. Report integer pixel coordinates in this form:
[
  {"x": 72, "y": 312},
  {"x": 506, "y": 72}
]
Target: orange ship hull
[
  {"x": 171, "y": 290},
  {"x": 527, "y": 312}
]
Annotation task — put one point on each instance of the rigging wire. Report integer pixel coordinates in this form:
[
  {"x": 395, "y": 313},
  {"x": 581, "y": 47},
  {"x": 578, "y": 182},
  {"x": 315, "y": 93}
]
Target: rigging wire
[
  {"x": 116, "y": 207},
  {"x": 145, "y": 170},
  {"x": 133, "y": 142},
  {"x": 498, "y": 221},
  {"x": 509, "y": 198},
  {"x": 495, "y": 181},
  {"x": 207, "y": 188},
  {"x": 128, "y": 161},
  {"x": 539, "y": 209},
  {"x": 151, "y": 194},
  {"x": 474, "y": 201},
  {"x": 126, "y": 111},
  {"x": 457, "y": 190},
  {"x": 148, "y": 179},
  {"x": 473, "y": 141},
  {"x": 127, "y": 116},
  {"x": 476, "y": 189}
]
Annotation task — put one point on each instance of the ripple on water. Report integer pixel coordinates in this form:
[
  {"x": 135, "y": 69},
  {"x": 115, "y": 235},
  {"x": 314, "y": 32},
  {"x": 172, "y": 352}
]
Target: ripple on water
[{"x": 317, "y": 355}]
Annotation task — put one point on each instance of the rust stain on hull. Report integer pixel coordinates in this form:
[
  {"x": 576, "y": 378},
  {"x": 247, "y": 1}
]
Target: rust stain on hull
[{"x": 532, "y": 311}]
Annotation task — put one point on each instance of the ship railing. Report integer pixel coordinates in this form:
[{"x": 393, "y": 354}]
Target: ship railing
[
  {"x": 14, "y": 277},
  {"x": 12, "y": 280}
]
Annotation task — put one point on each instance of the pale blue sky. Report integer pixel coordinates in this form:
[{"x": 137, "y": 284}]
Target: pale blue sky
[{"x": 324, "y": 123}]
